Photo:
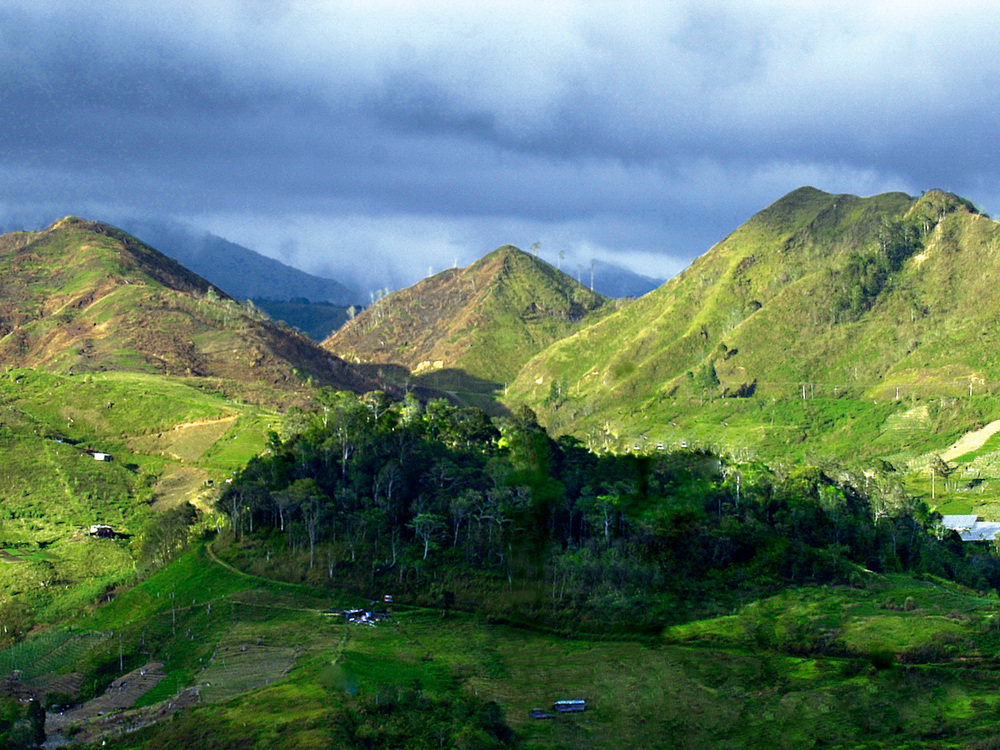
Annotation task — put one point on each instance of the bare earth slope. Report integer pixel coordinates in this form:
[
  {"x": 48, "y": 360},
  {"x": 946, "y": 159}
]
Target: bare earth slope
[{"x": 83, "y": 296}]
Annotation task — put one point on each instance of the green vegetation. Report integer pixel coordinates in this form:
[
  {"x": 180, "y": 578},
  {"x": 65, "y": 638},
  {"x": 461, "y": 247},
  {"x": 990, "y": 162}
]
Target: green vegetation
[
  {"x": 170, "y": 444},
  {"x": 83, "y": 297},
  {"x": 480, "y": 324},
  {"x": 729, "y": 536},
  {"x": 842, "y": 332}
]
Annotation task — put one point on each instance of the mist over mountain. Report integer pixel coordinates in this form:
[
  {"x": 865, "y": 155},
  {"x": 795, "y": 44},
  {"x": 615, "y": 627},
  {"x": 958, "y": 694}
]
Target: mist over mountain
[
  {"x": 616, "y": 281},
  {"x": 239, "y": 271}
]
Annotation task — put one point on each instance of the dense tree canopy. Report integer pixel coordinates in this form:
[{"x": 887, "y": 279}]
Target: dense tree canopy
[{"x": 448, "y": 506}]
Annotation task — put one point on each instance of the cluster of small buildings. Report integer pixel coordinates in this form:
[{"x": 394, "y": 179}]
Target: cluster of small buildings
[
  {"x": 366, "y": 616},
  {"x": 371, "y": 615}
]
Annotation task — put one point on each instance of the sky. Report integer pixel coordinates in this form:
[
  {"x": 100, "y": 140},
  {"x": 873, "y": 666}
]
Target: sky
[{"x": 377, "y": 142}]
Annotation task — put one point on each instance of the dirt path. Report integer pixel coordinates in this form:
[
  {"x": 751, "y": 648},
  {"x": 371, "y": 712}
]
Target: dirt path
[
  {"x": 202, "y": 423},
  {"x": 214, "y": 558},
  {"x": 970, "y": 441}
]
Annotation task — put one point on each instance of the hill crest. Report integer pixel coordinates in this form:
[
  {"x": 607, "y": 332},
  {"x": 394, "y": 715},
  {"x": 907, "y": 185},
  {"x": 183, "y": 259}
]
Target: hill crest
[
  {"x": 486, "y": 319},
  {"x": 846, "y": 295},
  {"x": 83, "y": 296}
]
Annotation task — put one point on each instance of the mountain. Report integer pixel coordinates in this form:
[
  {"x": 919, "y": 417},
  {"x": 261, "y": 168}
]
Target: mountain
[
  {"x": 617, "y": 282},
  {"x": 871, "y": 309},
  {"x": 83, "y": 296},
  {"x": 241, "y": 272},
  {"x": 484, "y": 320}
]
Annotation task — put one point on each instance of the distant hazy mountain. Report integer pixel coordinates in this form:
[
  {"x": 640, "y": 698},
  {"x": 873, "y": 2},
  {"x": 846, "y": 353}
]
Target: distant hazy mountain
[
  {"x": 615, "y": 281},
  {"x": 240, "y": 272},
  {"x": 317, "y": 320}
]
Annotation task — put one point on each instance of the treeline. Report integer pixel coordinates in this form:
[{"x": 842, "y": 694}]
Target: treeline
[
  {"x": 448, "y": 507},
  {"x": 22, "y": 723}
]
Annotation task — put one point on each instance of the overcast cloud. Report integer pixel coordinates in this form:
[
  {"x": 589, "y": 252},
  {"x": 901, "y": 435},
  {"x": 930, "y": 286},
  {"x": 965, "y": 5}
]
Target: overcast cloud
[{"x": 375, "y": 141}]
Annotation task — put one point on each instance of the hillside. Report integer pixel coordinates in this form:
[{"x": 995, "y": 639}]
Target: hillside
[
  {"x": 774, "y": 611},
  {"x": 818, "y": 302},
  {"x": 484, "y": 320},
  {"x": 82, "y": 296}
]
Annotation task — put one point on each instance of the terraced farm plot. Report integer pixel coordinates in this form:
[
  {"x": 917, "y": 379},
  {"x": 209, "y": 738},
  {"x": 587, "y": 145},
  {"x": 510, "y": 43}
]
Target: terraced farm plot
[
  {"x": 62, "y": 657},
  {"x": 186, "y": 442},
  {"x": 121, "y": 694},
  {"x": 180, "y": 484},
  {"x": 238, "y": 668}
]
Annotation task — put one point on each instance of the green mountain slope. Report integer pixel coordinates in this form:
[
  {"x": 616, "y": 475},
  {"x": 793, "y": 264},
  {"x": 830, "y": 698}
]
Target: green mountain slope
[
  {"x": 818, "y": 297},
  {"x": 83, "y": 296},
  {"x": 486, "y": 319},
  {"x": 108, "y": 347},
  {"x": 171, "y": 441}
]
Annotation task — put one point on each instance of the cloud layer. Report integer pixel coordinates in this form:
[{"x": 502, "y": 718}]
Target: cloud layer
[{"x": 373, "y": 139}]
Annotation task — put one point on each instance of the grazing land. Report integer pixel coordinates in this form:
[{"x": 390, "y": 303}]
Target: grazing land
[{"x": 714, "y": 513}]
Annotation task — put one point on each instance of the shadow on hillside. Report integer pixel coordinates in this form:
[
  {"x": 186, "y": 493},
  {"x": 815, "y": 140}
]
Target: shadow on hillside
[{"x": 458, "y": 386}]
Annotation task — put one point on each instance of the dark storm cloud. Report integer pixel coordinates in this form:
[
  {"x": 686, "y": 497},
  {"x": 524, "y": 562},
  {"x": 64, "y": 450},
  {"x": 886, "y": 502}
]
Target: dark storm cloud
[{"x": 428, "y": 134}]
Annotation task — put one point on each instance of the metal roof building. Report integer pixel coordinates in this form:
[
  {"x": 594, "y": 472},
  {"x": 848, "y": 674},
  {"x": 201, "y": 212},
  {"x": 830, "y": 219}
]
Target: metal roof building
[{"x": 971, "y": 529}]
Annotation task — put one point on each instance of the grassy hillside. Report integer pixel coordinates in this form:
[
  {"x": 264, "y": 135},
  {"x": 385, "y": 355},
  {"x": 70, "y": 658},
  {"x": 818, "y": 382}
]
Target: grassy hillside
[
  {"x": 692, "y": 600},
  {"x": 109, "y": 347},
  {"x": 811, "y": 329},
  {"x": 470, "y": 328},
  {"x": 896, "y": 662},
  {"x": 171, "y": 441},
  {"x": 84, "y": 297}
]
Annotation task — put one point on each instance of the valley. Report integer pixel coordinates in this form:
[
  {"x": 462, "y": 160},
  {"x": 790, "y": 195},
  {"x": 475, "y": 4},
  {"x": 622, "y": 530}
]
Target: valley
[{"x": 712, "y": 512}]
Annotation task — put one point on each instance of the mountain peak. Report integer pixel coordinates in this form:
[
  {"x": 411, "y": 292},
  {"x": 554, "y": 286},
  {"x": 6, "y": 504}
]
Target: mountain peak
[
  {"x": 486, "y": 319},
  {"x": 852, "y": 292},
  {"x": 84, "y": 296},
  {"x": 942, "y": 202}
]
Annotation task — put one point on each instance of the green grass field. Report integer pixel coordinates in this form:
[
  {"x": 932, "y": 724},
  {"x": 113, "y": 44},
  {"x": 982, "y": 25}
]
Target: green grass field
[
  {"x": 171, "y": 443},
  {"x": 896, "y": 662}
]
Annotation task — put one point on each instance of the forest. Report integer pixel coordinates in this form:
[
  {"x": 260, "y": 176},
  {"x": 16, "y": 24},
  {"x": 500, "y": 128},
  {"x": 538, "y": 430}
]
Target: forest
[{"x": 444, "y": 506}]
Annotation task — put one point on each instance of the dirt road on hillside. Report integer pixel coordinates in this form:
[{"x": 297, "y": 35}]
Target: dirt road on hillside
[{"x": 971, "y": 441}]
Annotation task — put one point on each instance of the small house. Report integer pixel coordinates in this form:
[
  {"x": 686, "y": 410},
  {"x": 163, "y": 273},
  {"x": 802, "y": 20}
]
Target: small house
[
  {"x": 102, "y": 530},
  {"x": 564, "y": 707},
  {"x": 102, "y": 456}
]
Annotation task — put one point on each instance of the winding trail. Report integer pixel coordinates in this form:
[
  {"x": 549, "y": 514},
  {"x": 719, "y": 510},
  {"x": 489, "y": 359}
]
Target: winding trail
[{"x": 971, "y": 441}]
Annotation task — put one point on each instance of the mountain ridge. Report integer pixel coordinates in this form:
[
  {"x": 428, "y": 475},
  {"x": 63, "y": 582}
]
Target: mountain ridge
[
  {"x": 241, "y": 272},
  {"x": 83, "y": 296},
  {"x": 817, "y": 289},
  {"x": 485, "y": 319}
]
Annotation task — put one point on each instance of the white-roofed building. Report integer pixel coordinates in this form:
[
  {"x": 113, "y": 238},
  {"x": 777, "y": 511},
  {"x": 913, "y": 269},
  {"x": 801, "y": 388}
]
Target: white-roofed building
[{"x": 971, "y": 529}]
